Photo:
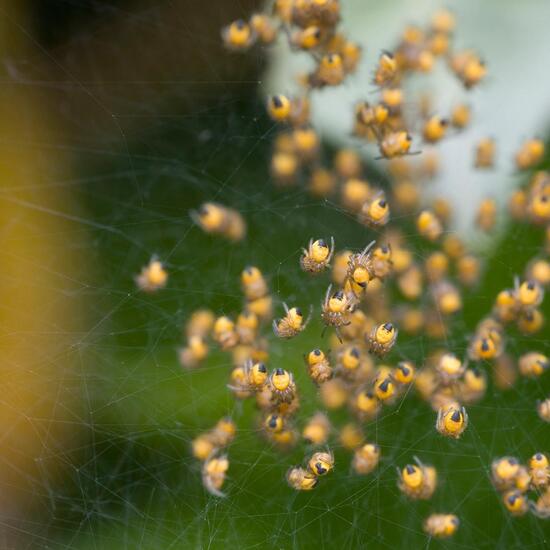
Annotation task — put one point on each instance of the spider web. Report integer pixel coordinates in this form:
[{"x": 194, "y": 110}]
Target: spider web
[{"x": 113, "y": 467}]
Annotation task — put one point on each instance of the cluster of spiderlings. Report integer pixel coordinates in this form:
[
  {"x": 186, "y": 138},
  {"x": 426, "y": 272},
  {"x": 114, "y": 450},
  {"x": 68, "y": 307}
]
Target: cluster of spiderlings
[
  {"x": 387, "y": 121},
  {"x": 196, "y": 331},
  {"x": 515, "y": 482},
  {"x": 520, "y": 304},
  {"x": 241, "y": 336},
  {"x": 278, "y": 401},
  {"x": 363, "y": 320},
  {"x": 317, "y": 466},
  {"x": 447, "y": 384},
  {"x": 351, "y": 376},
  {"x": 218, "y": 219},
  {"x": 207, "y": 448},
  {"x": 312, "y": 26}
]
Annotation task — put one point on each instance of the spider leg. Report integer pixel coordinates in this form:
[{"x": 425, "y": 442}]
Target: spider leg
[
  {"x": 194, "y": 215},
  {"x": 328, "y": 294},
  {"x": 212, "y": 490},
  {"x": 308, "y": 317},
  {"x": 439, "y": 417},
  {"x": 542, "y": 514},
  {"x": 465, "y": 414},
  {"x": 366, "y": 249},
  {"x": 331, "y": 254}
]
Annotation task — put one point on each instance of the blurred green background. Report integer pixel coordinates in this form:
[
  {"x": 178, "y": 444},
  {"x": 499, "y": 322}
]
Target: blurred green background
[{"x": 144, "y": 138}]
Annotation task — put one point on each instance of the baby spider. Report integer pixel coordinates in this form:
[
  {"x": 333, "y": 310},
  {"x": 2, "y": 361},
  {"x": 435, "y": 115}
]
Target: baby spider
[
  {"x": 529, "y": 154},
  {"x": 307, "y": 39},
  {"x": 195, "y": 352},
  {"x": 200, "y": 323},
  {"x": 205, "y": 444},
  {"x": 450, "y": 368},
  {"x": 538, "y": 270},
  {"x": 528, "y": 294},
  {"x": 384, "y": 388},
  {"x": 429, "y": 225},
  {"x": 334, "y": 393},
  {"x": 336, "y": 309},
  {"x": 434, "y": 129},
  {"x": 460, "y": 116},
  {"x": 253, "y": 283},
  {"x": 238, "y": 36},
  {"x": 285, "y": 439},
  {"x": 225, "y": 333},
  {"x": 365, "y": 458},
  {"x": 530, "y": 321},
  {"x": 321, "y": 463},
  {"x": 153, "y": 276},
  {"x": 279, "y": 108},
  {"x": 375, "y": 212},
  {"x": 441, "y": 525},
  {"x": 247, "y": 327},
  {"x": 349, "y": 360},
  {"x": 282, "y": 386},
  {"x": 451, "y": 421},
  {"x": 239, "y": 383},
  {"x": 539, "y": 470},
  {"x": 318, "y": 366},
  {"x": 446, "y": 297},
  {"x": 359, "y": 271},
  {"x": 316, "y": 431},
  {"x": 533, "y": 364},
  {"x": 523, "y": 480},
  {"x": 381, "y": 261},
  {"x": 365, "y": 404},
  {"x": 543, "y": 409},
  {"x": 395, "y": 144},
  {"x": 515, "y": 502},
  {"x": 263, "y": 27},
  {"x": 417, "y": 481},
  {"x": 382, "y": 338},
  {"x": 217, "y": 219},
  {"x": 483, "y": 347},
  {"x": 329, "y": 72},
  {"x": 223, "y": 432},
  {"x": 291, "y": 324},
  {"x": 541, "y": 508},
  {"x": 473, "y": 385},
  {"x": 485, "y": 153},
  {"x": 317, "y": 256},
  {"x": 351, "y": 436},
  {"x": 301, "y": 479},
  {"x": 404, "y": 373},
  {"x": 386, "y": 71},
  {"x": 213, "y": 474},
  {"x": 468, "y": 67},
  {"x": 256, "y": 373},
  {"x": 274, "y": 422}
]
